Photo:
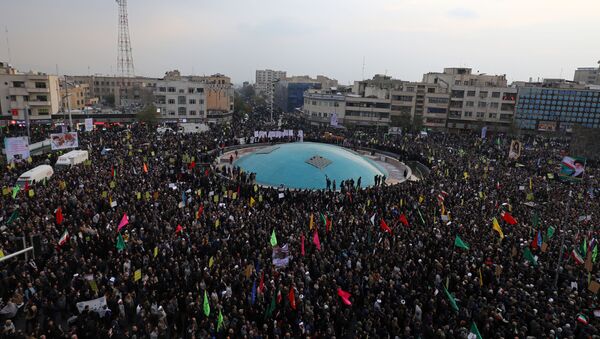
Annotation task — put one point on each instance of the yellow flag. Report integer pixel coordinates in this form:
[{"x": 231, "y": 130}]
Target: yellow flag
[
  {"x": 216, "y": 198},
  {"x": 421, "y": 198},
  {"x": 104, "y": 194},
  {"x": 311, "y": 224},
  {"x": 62, "y": 185},
  {"x": 480, "y": 278},
  {"x": 443, "y": 209},
  {"x": 497, "y": 228},
  {"x": 252, "y": 201},
  {"x": 31, "y": 193},
  {"x": 260, "y": 198},
  {"x": 5, "y": 191},
  {"x": 155, "y": 195},
  {"x": 29, "y": 160},
  {"x": 217, "y": 223},
  {"x": 1, "y": 254},
  {"x": 138, "y": 195},
  {"x": 530, "y": 184},
  {"x": 234, "y": 195},
  {"x": 466, "y": 175},
  {"x": 137, "y": 275},
  {"x": 94, "y": 286},
  {"x": 480, "y": 195},
  {"x": 148, "y": 196},
  {"x": 211, "y": 262},
  {"x": 255, "y": 188},
  {"x": 155, "y": 251},
  {"x": 113, "y": 184}
]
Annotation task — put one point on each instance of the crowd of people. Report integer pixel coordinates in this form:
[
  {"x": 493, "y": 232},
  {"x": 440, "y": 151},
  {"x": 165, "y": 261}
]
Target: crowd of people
[{"x": 180, "y": 247}]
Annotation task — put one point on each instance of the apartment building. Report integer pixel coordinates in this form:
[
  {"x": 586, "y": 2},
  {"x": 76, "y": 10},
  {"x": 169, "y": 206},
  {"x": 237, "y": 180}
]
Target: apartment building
[
  {"x": 29, "y": 96},
  {"x": 320, "y": 105},
  {"x": 587, "y": 75},
  {"x": 118, "y": 91},
  {"x": 265, "y": 79},
  {"x": 420, "y": 103},
  {"x": 75, "y": 96},
  {"x": 476, "y": 100},
  {"x": 289, "y": 92}
]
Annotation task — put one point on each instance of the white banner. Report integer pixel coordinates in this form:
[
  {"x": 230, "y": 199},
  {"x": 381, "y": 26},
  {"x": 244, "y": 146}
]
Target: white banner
[
  {"x": 281, "y": 256},
  {"x": 95, "y": 305},
  {"x": 64, "y": 140},
  {"x": 17, "y": 149},
  {"x": 89, "y": 124},
  {"x": 334, "y": 120}
]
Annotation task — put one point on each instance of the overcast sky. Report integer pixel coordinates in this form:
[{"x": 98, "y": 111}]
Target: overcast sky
[{"x": 403, "y": 38}]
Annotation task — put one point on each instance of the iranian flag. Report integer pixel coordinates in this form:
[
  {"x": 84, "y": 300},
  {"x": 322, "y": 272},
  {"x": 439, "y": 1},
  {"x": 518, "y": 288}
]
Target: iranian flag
[
  {"x": 63, "y": 238},
  {"x": 581, "y": 318},
  {"x": 578, "y": 258}
]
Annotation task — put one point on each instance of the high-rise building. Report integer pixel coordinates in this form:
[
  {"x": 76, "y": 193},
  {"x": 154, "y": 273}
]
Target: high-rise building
[
  {"x": 289, "y": 92},
  {"x": 29, "y": 96},
  {"x": 265, "y": 79}
]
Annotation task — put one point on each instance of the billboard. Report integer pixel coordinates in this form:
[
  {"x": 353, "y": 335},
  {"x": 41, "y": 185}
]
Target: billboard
[
  {"x": 89, "y": 124},
  {"x": 547, "y": 126},
  {"x": 515, "y": 150},
  {"x": 64, "y": 140},
  {"x": 572, "y": 168},
  {"x": 17, "y": 149}
]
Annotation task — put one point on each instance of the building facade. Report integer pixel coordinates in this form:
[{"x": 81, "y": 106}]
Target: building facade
[
  {"x": 265, "y": 79},
  {"x": 587, "y": 75},
  {"x": 420, "y": 102},
  {"x": 320, "y": 105},
  {"x": 29, "y": 96},
  {"x": 74, "y": 96},
  {"x": 557, "y": 106},
  {"x": 289, "y": 92},
  {"x": 117, "y": 91}
]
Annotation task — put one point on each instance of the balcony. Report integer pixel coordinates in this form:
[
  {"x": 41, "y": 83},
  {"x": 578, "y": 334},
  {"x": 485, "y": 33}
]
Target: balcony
[
  {"x": 39, "y": 103},
  {"x": 38, "y": 90},
  {"x": 17, "y": 91}
]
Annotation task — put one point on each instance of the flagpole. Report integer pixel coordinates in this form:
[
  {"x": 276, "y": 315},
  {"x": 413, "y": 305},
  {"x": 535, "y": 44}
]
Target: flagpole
[{"x": 562, "y": 243}]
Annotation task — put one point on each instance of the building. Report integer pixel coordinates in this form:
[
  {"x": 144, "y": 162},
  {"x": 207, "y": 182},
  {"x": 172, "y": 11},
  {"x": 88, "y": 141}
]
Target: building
[
  {"x": 75, "y": 96},
  {"x": 419, "y": 103},
  {"x": 320, "y": 105},
  {"x": 117, "y": 91},
  {"x": 476, "y": 100},
  {"x": 265, "y": 79},
  {"x": 32, "y": 93},
  {"x": 557, "y": 106},
  {"x": 587, "y": 75},
  {"x": 206, "y": 99},
  {"x": 289, "y": 92}
]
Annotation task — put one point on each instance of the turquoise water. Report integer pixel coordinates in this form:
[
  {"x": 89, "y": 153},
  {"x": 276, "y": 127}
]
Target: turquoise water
[{"x": 285, "y": 164}]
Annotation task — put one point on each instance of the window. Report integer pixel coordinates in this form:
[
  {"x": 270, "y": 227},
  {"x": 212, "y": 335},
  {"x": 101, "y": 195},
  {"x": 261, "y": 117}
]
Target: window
[
  {"x": 171, "y": 101},
  {"x": 494, "y": 105},
  {"x": 201, "y": 101},
  {"x": 495, "y": 94},
  {"x": 162, "y": 89},
  {"x": 482, "y": 104},
  {"x": 18, "y": 84},
  {"x": 42, "y": 98},
  {"x": 199, "y": 90},
  {"x": 431, "y": 90},
  {"x": 483, "y": 94},
  {"x": 470, "y": 104},
  {"x": 480, "y": 114},
  {"x": 43, "y": 111},
  {"x": 40, "y": 84},
  {"x": 438, "y": 100},
  {"x": 468, "y": 114},
  {"x": 192, "y": 112},
  {"x": 171, "y": 113},
  {"x": 470, "y": 93},
  {"x": 505, "y": 116},
  {"x": 190, "y": 90},
  {"x": 192, "y": 101},
  {"x": 402, "y": 97},
  {"x": 181, "y": 110},
  {"x": 181, "y": 100},
  {"x": 492, "y": 115},
  {"x": 171, "y": 89},
  {"x": 457, "y": 82}
]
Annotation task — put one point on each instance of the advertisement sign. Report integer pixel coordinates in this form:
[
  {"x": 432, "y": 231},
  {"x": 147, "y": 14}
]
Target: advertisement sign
[
  {"x": 89, "y": 124},
  {"x": 547, "y": 126},
  {"x": 64, "y": 140},
  {"x": 17, "y": 149}
]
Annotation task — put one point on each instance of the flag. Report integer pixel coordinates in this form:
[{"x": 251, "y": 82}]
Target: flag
[
  {"x": 311, "y": 223},
  {"x": 302, "y": 244},
  {"x": 535, "y": 220},
  {"x": 15, "y": 191},
  {"x": 384, "y": 227},
  {"x": 373, "y": 220},
  {"x": 550, "y": 232},
  {"x": 345, "y": 296},
  {"x": 508, "y": 218},
  {"x": 474, "y": 332},
  {"x": 211, "y": 261},
  {"x": 581, "y": 318},
  {"x": 26, "y": 186},
  {"x": 584, "y": 247},
  {"x": 145, "y": 168},
  {"x": 578, "y": 257},
  {"x": 252, "y": 201},
  {"x": 458, "y": 242},
  {"x": 316, "y": 240},
  {"x": 271, "y": 307},
  {"x": 13, "y": 217},
  {"x": 120, "y": 243},
  {"x": 595, "y": 253},
  {"x": 451, "y": 299},
  {"x": 178, "y": 229},
  {"x": 155, "y": 251},
  {"x": 292, "y": 298},
  {"x": 496, "y": 227},
  {"x": 529, "y": 256},
  {"x": 261, "y": 285},
  {"x": 206, "y": 305},
  {"x": 200, "y": 211},
  {"x": 253, "y": 297},
  {"x": 480, "y": 278},
  {"x": 183, "y": 199},
  {"x": 63, "y": 238},
  {"x": 328, "y": 224},
  {"x": 273, "y": 239},
  {"x": 403, "y": 219},
  {"x": 539, "y": 239},
  {"x": 279, "y": 297},
  {"x": 124, "y": 222},
  {"x": 219, "y": 321},
  {"x": 114, "y": 173},
  {"x": 530, "y": 184}
]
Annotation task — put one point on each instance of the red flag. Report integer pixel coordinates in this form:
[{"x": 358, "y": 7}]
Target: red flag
[
  {"x": 508, "y": 218},
  {"x": 26, "y": 186},
  {"x": 385, "y": 227},
  {"x": 59, "y": 216},
  {"x": 192, "y": 165},
  {"x": 292, "y": 298},
  {"x": 328, "y": 225},
  {"x": 206, "y": 172},
  {"x": 145, "y": 168},
  {"x": 316, "y": 240},
  {"x": 113, "y": 171},
  {"x": 279, "y": 297},
  {"x": 403, "y": 219},
  {"x": 344, "y": 295},
  {"x": 349, "y": 196},
  {"x": 238, "y": 191},
  {"x": 178, "y": 229},
  {"x": 200, "y": 211},
  {"x": 302, "y": 244},
  {"x": 124, "y": 222},
  {"x": 261, "y": 286}
]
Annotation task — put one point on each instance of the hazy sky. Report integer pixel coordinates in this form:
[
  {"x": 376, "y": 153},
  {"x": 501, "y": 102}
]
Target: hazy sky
[{"x": 405, "y": 38}]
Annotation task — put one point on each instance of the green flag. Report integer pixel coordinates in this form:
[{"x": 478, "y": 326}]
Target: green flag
[
  {"x": 529, "y": 256},
  {"x": 451, "y": 299},
  {"x": 13, "y": 217},
  {"x": 273, "y": 239},
  {"x": 323, "y": 219},
  {"x": 595, "y": 253},
  {"x": 550, "y": 232},
  {"x": 206, "y": 306},
  {"x": 15, "y": 191},
  {"x": 584, "y": 248},
  {"x": 458, "y": 242},
  {"x": 271, "y": 307},
  {"x": 535, "y": 220},
  {"x": 120, "y": 243},
  {"x": 474, "y": 332},
  {"x": 219, "y": 321}
]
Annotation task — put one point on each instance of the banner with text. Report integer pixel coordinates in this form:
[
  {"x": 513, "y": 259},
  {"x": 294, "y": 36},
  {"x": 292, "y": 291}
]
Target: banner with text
[{"x": 64, "y": 140}]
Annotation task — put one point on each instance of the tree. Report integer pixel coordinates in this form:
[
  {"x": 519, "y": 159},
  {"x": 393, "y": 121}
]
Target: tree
[{"x": 148, "y": 114}]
